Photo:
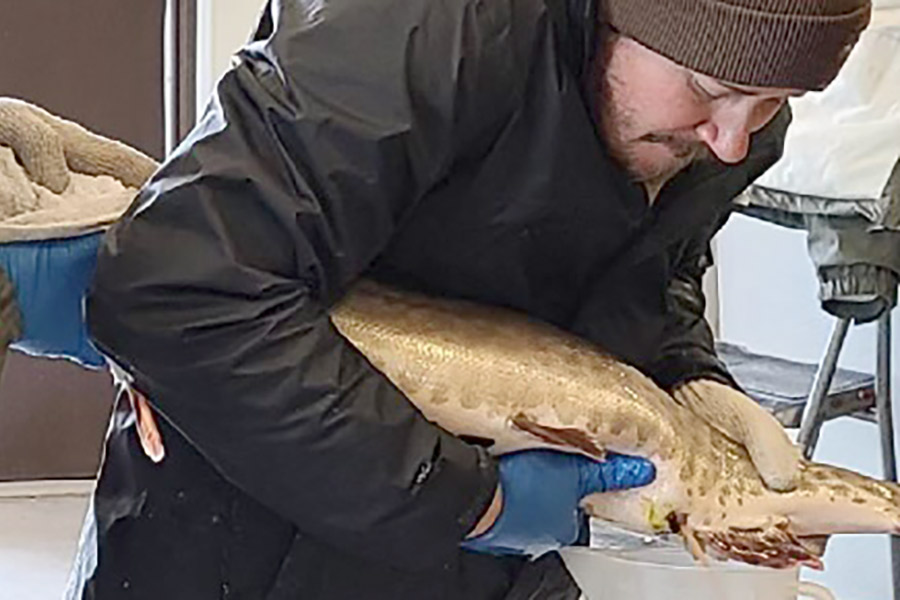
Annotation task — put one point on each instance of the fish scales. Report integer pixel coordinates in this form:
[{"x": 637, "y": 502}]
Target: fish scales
[{"x": 491, "y": 373}]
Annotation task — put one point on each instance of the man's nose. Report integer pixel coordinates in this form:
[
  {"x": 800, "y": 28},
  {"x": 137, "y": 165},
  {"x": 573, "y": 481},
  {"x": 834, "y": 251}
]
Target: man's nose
[{"x": 727, "y": 133}]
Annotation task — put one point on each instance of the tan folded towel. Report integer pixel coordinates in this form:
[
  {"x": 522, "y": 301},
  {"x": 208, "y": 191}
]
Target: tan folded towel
[{"x": 57, "y": 179}]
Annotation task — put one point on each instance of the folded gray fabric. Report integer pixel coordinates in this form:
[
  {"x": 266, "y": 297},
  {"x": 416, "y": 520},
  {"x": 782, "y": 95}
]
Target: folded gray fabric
[{"x": 854, "y": 244}]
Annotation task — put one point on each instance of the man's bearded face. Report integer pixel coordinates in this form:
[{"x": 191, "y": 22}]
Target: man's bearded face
[{"x": 657, "y": 117}]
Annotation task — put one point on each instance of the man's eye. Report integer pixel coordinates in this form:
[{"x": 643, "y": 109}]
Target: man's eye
[{"x": 702, "y": 92}]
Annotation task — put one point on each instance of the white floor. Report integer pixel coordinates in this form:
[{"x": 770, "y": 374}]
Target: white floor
[{"x": 39, "y": 528}]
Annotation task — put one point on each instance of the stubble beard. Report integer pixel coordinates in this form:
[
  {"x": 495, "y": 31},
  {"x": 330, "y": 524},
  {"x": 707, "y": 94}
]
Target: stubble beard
[{"x": 617, "y": 122}]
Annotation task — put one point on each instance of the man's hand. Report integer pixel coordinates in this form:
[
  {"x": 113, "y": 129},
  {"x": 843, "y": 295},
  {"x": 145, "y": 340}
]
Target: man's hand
[
  {"x": 539, "y": 495},
  {"x": 744, "y": 421}
]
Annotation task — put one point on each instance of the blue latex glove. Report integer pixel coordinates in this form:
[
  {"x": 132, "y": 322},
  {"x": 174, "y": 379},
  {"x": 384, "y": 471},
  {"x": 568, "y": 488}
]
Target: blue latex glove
[
  {"x": 541, "y": 492},
  {"x": 51, "y": 278}
]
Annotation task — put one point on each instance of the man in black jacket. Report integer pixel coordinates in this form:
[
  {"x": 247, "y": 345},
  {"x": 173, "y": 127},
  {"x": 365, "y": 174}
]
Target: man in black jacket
[{"x": 568, "y": 159}]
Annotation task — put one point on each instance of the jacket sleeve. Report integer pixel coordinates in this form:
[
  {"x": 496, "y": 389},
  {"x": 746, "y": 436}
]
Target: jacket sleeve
[
  {"x": 688, "y": 349},
  {"x": 213, "y": 291}
]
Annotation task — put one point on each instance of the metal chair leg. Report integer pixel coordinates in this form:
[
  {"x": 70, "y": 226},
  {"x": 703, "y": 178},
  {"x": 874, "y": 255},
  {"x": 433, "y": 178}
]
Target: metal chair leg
[
  {"x": 886, "y": 428},
  {"x": 815, "y": 413}
]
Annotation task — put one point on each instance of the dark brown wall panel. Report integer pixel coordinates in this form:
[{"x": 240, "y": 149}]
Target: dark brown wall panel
[{"x": 99, "y": 62}]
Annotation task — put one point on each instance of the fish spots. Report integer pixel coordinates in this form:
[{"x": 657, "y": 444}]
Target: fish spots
[
  {"x": 881, "y": 489},
  {"x": 810, "y": 487},
  {"x": 841, "y": 489},
  {"x": 617, "y": 425},
  {"x": 859, "y": 500},
  {"x": 871, "y": 487},
  {"x": 666, "y": 453},
  {"x": 643, "y": 434}
]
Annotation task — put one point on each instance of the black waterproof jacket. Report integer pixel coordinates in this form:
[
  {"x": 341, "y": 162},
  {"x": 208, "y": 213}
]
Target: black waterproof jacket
[{"x": 442, "y": 145}]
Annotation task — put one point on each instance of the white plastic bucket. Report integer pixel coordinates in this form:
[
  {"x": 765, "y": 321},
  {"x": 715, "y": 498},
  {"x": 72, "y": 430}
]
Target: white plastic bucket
[{"x": 657, "y": 573}]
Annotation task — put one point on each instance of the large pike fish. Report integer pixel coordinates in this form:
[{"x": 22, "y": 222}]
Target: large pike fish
[{"x": 496, "y": 375}]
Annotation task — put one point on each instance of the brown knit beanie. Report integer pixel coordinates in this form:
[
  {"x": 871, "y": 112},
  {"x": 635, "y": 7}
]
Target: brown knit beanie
[{"x": 769, "y": 43}]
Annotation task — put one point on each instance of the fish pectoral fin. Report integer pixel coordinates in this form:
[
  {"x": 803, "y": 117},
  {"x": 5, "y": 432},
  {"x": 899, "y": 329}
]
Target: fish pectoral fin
[
  {"x": 815, "y": 544},
  {"x": 566, "y": 437},
  {"x": 773, "y": 546}
]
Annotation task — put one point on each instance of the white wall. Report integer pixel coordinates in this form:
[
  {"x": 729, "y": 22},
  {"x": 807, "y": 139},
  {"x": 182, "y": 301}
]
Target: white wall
[
  {"x": 767, "y": 301},
  {"x": 223, "y": 27}
]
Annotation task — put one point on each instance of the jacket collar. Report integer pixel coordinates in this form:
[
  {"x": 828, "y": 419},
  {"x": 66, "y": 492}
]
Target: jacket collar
[{"x": 576, "y": 21}]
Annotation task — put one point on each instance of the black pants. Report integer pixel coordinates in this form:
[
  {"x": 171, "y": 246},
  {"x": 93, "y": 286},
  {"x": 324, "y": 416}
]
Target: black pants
[{"x": 179, "y": 531}]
